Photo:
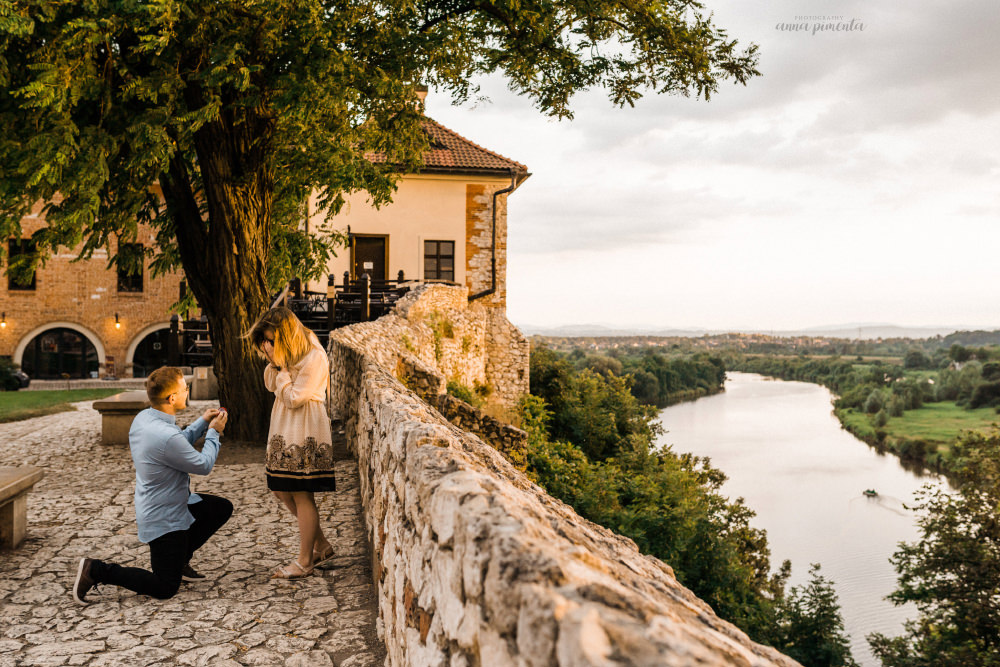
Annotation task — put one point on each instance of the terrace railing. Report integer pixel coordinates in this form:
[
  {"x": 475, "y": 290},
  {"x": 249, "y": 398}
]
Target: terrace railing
[{"x": 359, "y": 300}]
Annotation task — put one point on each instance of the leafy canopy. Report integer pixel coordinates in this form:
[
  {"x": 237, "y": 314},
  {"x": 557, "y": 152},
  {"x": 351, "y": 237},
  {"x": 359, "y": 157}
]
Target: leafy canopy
[
  {"x": 952, "y": 573},
  {"x": 239, "y": 109}
]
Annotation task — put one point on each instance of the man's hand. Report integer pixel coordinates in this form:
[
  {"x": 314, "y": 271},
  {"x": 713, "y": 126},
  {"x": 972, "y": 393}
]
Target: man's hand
[
  {"x": 219, "y": 423},
  {"x": 209, "y": 415}
]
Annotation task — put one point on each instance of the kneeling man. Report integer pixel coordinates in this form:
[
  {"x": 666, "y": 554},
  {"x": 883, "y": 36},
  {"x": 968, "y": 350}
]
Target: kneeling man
[{"x": 171, "y": 519}]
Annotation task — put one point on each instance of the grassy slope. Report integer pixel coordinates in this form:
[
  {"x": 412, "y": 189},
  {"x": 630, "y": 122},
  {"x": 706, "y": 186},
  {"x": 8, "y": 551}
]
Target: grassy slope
[{"x": 17, "y": 405}]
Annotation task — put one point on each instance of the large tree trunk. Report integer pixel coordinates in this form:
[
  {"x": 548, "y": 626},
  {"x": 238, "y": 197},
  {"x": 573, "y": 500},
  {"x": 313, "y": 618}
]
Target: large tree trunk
[{"x": 225, "y": 259}]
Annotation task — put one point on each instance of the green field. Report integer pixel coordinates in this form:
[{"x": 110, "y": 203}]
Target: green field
[
  {"x": 935, "y": 424},
  {"x": 17, "y": 405},
  {"x": 940, "y": 423}
]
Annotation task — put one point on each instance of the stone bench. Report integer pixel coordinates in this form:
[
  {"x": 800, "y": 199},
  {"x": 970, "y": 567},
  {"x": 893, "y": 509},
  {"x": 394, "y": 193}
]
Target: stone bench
[
  {"x": 117, "y": 413},
  {"x": 14, "y": 486}
]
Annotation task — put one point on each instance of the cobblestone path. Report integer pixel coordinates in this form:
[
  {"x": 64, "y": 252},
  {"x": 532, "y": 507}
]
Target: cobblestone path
[{"x": 237, "y": 616}]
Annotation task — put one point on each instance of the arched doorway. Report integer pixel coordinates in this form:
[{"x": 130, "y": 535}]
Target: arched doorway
[
  {"x": 57, "y": 352},
  {"x": 150, "y": 353}
]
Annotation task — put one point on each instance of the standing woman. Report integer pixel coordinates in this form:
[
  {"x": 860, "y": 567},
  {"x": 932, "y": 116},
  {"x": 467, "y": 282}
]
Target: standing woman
[{"x": 299, "y": 459}]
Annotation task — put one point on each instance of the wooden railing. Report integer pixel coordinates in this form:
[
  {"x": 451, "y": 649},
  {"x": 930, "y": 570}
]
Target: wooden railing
[{"x": 350, "y": 302}]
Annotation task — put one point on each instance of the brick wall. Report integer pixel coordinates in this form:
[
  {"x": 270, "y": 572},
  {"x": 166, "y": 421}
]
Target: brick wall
[{"x": 84, "y": 296}]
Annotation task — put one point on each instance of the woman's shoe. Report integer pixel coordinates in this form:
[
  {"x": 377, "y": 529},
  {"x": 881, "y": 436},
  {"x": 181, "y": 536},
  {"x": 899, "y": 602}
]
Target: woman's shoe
[
  {"x": 292, "y": 571},
  {"x": 323, "y": 557}
]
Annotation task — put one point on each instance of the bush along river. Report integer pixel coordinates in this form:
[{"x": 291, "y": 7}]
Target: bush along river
[{"x": 786, "y": 454}]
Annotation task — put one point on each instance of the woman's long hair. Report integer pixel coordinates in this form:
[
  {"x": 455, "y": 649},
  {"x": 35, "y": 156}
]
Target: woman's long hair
[{"x": 292, "y": 340}]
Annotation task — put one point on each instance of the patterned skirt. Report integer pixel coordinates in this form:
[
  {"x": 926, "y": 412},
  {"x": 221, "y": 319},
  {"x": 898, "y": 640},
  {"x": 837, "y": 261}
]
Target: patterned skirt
[{"x": 305, "y": 466}]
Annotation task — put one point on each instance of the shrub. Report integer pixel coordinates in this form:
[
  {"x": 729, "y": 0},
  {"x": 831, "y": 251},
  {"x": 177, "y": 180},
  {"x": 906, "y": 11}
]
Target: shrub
[
  {"x": 462, "y": 392},
  {"x": 985, "y": 395},
  {"x": 874, "y": 402}
]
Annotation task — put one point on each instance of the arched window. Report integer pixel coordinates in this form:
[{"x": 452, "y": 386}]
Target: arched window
[
  {"x": 57, "y": 352},
  {"x": 150, "y": 353}
]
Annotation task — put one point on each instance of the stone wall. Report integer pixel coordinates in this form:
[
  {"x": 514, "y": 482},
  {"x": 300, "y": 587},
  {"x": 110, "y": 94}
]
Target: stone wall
[
  {"x": 510, "y": 441},
  {"x": 477, "y": 566},
  {"x": 479, "y": 242},
  {"x": 434, "y": 330}
]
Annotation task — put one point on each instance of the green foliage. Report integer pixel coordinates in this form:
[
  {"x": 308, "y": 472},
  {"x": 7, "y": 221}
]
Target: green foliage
[
  {"x": 441, "y": 328},
  {"x": 101, "y": 99},
  {"x": 597, "y": 413},
  {"x": 952, "y": 573},
  {"x": 874, "y": 402},
  {"x": 462, "y": 392},
  {"x": 811, "y": 625},
  {"x": 990, "y": 371},
  {"x": 986, "y": 394},
  {"x": 917, "y": 414},
  {"x": 657, "y": 379},
  {"x": 590, "y": 445},
  {"x": 917, "y": 359},
  {"x": 959, "y": 353},
  {"x": 243, "y": 114}
]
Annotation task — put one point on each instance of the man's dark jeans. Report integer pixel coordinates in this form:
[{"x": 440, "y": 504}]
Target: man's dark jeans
[{"x": 168, "y": 554}]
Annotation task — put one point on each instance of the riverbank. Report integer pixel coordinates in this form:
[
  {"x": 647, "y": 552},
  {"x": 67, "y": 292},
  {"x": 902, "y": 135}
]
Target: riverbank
[
  {"x": 924, "y": 437},
  {"x": 915, "y": 414},
  {"x": 691, "y": 395},
  {"x": 787, "y": 457}
]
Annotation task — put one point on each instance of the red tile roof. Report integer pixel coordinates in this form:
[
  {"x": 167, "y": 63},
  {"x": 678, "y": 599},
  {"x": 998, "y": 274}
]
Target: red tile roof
[{"x": 451, "y": 152}]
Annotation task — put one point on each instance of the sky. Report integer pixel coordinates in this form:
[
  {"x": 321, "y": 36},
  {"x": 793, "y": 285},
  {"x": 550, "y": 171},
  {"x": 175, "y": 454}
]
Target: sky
[{"x": 855, "y": 181}]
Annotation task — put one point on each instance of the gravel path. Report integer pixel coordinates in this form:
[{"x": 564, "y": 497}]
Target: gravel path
[{"x": 237, "y": 616}]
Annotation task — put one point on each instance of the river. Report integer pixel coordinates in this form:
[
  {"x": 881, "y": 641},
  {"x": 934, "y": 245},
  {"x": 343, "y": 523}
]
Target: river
[{"x": 787, "y": 456}]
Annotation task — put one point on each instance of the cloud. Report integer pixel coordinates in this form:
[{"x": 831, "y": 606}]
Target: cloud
[{"x": 843, "y": 184}]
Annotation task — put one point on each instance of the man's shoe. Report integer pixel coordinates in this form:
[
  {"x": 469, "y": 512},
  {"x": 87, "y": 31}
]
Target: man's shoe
[
  {"x": 189, "y": 574},
  {"x": 84, "y": 580}
]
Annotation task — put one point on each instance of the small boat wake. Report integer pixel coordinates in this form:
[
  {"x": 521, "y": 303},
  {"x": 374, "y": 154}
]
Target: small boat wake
[{"x": 890, "y": 503}]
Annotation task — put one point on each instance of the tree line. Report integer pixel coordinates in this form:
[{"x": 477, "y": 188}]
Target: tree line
[
  {"x": 656, "y": 378},
  {"x": 593, "y": 444}
]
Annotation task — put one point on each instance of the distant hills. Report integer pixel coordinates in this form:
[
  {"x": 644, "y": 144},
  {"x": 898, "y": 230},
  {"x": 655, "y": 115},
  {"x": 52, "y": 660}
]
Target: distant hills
[{"x": 867, "y": 331}]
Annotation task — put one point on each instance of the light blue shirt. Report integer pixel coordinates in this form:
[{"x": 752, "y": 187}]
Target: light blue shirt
[{"x": 163, "y": 458}]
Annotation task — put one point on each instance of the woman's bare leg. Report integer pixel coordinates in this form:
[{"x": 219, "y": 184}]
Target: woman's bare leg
[
  {"x": 286, "y": 499},
  {"x": 308, "y": 516}
]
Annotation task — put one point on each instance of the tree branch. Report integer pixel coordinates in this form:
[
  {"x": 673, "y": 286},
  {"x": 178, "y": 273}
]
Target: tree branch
[{"x": 465, "y": 9}]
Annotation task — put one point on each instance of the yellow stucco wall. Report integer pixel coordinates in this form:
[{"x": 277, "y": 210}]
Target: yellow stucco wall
[{"x": 424, "y": 207}]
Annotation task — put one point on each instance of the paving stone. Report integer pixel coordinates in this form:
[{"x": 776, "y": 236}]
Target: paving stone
[
  {"x": 238, "y": 615},
  {"x": 258, "y": 657},
  {"x": 8, "y": 645},
  {"x": 287, "y": 645},
  {"x": 138, "y": 655},
  {"x": 121, "y": 641},
  {"x": 65, "y": 648},
  {"x": 206, "y": 655},
  {"x": 309, "y": 659}
]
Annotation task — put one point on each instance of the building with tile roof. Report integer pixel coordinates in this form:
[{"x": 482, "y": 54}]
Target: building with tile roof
[{"x": 447, "y": 223}]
